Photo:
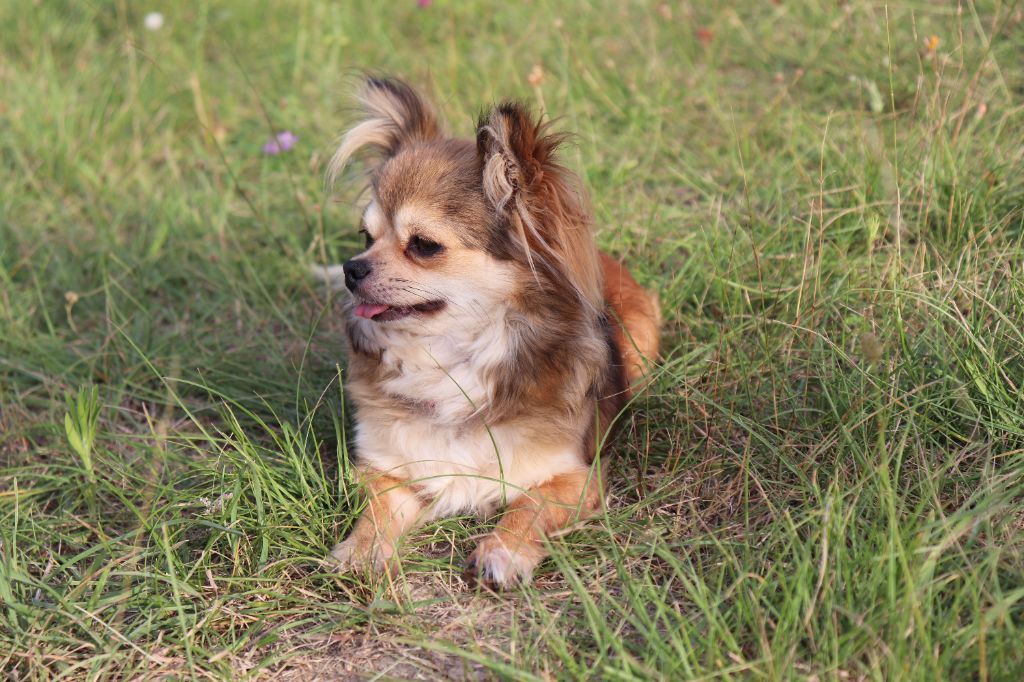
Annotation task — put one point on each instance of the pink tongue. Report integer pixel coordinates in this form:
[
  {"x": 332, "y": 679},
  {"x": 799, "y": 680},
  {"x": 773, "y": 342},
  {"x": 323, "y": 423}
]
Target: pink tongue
[{"x": 370, "y": 310}]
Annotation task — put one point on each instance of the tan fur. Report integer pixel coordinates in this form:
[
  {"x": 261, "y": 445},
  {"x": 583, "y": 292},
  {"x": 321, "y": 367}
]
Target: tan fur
[
  {"x": 487, "y": 370},
  {"x": 511, "y": 551},
  {"x": 392, "y": 509}
]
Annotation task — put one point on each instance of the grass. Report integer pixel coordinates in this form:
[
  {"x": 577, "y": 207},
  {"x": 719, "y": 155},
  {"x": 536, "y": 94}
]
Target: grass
[{"x": 826, "y": 480}]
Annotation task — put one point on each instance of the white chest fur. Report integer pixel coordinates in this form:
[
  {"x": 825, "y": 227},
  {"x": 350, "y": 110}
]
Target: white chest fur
[
  {"x": 457, "y": 470},
  {"x": 447, "y": 371},
  {"x": 457, "y": 461}
]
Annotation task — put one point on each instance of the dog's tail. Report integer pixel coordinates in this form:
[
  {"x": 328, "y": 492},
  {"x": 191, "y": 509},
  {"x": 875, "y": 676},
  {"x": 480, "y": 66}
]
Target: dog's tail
[
  {"x": 331, "y": 275},
  {"x": 637, "y": 322}
]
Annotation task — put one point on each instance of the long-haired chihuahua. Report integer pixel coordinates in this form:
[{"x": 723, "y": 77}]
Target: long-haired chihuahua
[{"x": 491, "y": 344}]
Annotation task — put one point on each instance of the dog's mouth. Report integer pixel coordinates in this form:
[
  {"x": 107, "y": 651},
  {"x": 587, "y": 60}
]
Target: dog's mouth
[{"x": 381, "y": 312}]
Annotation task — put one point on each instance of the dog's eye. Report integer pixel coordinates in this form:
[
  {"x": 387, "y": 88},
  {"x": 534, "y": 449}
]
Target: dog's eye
[
  {"x": 423, "y": 247},
  {"x": 369, "y": 239}
]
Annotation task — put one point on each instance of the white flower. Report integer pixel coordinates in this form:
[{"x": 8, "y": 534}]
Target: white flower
[{"x": 154, "y": 21}]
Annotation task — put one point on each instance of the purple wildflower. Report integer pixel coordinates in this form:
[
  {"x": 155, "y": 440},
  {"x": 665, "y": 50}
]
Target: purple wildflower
[
  {"x": 423, "y": 3},
  {"x": 281, "y": 142}
]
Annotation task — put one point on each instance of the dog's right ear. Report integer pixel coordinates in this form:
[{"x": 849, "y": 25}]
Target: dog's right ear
[{"x": 393, "y": 115}]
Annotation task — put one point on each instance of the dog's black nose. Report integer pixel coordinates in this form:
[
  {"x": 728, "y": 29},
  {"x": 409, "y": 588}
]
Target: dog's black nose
[{"x": 356, "y": 270}]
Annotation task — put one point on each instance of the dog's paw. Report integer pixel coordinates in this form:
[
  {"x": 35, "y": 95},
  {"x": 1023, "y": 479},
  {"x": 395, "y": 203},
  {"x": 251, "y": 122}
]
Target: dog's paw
[
  {"x": 357, "y": 552},
  {"x": 498, "y": 566}
]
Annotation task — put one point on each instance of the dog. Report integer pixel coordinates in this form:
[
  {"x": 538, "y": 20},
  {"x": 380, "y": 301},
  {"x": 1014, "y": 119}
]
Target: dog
[{"x": 491, "y": 345}]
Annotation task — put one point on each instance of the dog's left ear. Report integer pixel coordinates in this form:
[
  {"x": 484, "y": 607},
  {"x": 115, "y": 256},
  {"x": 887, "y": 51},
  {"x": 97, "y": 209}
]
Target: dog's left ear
[
  {"x": 516, "y": 152},
  {"x": 541, "y": 199}
]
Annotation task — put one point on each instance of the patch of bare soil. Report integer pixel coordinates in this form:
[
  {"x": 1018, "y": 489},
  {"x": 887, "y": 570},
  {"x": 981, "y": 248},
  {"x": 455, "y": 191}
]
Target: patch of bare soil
[{"x": 390, "y": 648}]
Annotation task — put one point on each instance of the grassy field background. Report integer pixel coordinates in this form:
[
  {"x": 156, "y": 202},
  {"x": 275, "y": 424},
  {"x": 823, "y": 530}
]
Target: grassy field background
[{"x": 825, "y": 482}]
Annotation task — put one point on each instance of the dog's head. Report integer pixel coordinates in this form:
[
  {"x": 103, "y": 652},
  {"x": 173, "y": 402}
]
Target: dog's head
[{"x": 458, "y": 226}]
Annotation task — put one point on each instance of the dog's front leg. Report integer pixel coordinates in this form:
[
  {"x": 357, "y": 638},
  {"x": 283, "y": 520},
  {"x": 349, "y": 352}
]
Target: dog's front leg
[
  {"x": 392, "y": 509},
  {"x": 509, "y": 554}
]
